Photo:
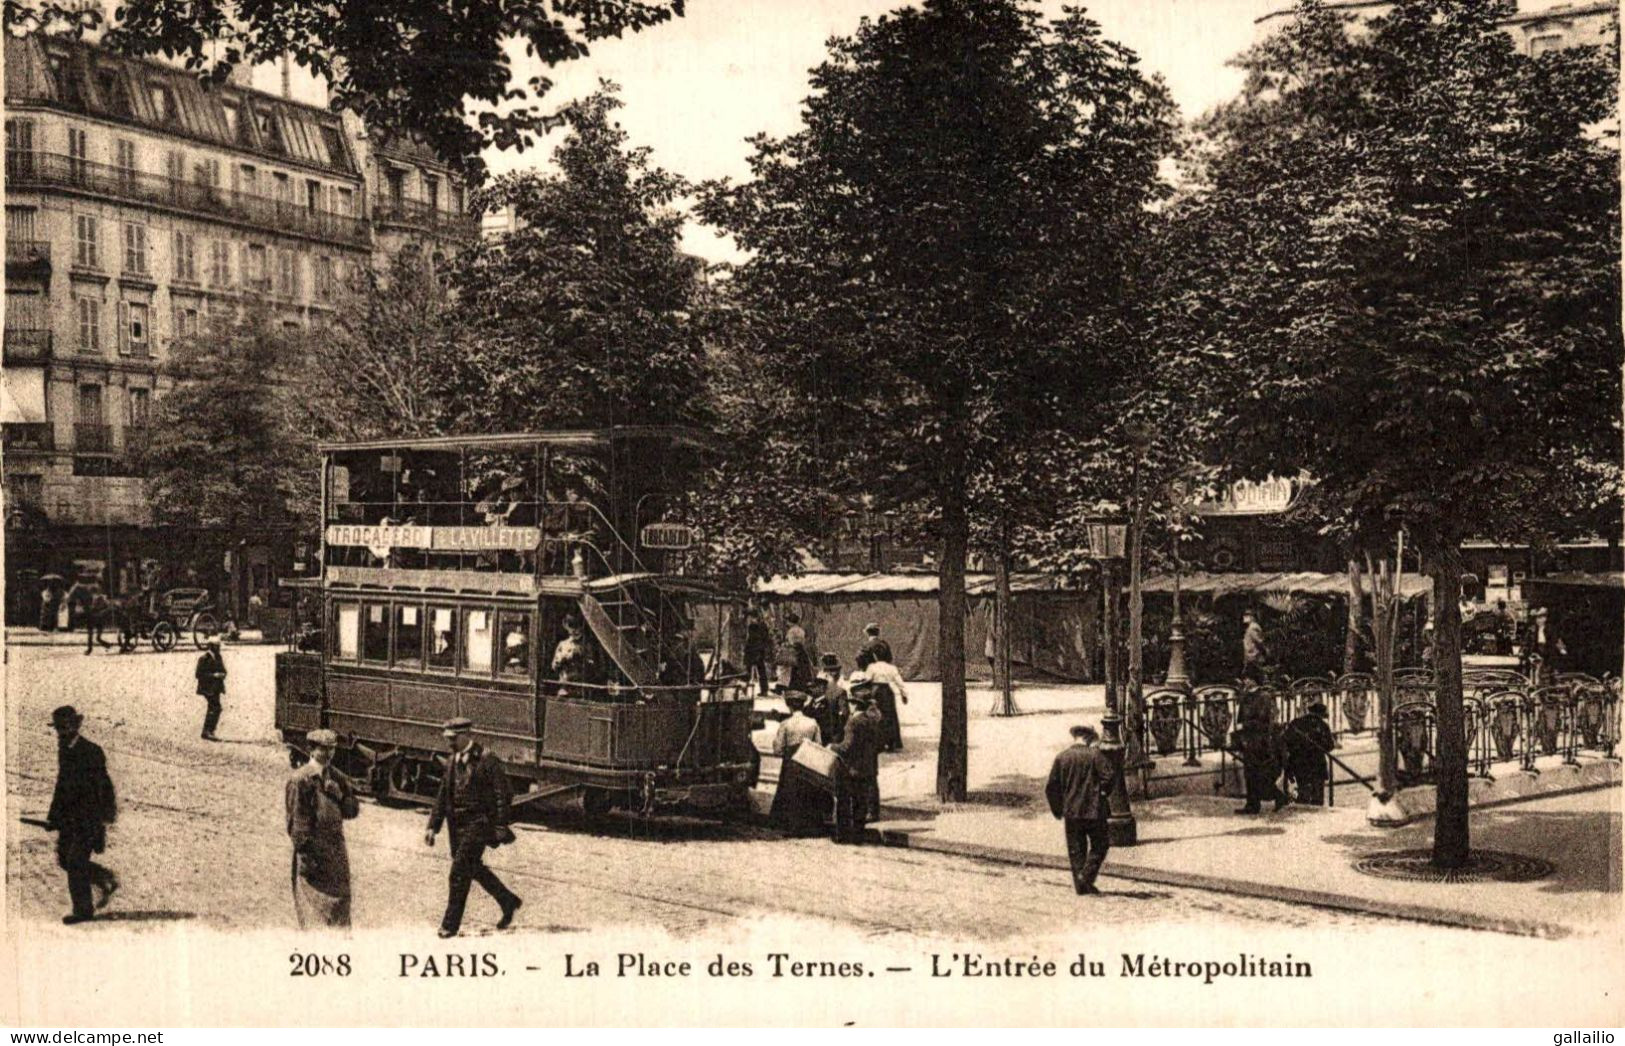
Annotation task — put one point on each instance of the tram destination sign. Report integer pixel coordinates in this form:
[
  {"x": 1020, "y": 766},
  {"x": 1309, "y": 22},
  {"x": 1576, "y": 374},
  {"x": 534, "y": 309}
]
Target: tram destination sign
[
  {"x": 450, "y": 539},
  {"x": 671, "y": 536}
]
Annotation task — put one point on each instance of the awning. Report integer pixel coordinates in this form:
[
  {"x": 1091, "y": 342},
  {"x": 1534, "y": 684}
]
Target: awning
[
  {"x": 884, "y": 585},
  {"x": 1577, "y": 579},
  {"x": 22, "y": 395},
  {"x": 1302, "y": 583}
]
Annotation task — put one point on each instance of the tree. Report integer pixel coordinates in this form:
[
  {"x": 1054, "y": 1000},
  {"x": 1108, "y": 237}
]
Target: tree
[
  {"x": 224, "y": 450},
  {"x": 1401, "y": 273},
  {"x": 941, "y": 250},
  {"x": 583, "y": 316},
  {"x": 401, "y": 66},
  {"x": 376, "y": 369}
]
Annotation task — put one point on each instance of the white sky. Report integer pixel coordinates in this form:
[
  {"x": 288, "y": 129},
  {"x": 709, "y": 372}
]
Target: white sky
[{"x": 697, "y": 87}]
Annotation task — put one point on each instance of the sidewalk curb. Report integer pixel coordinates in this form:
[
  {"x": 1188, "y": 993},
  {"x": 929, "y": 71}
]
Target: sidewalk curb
[{"x": 1240, "y": 887}]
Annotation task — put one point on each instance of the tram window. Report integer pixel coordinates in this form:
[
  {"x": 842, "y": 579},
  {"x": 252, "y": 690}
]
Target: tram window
[
  {"x": 442, "y": 638},
  {"x": 515, "y": 644},
  {"x": 347, "y": 623},
  {"x": 408, "y": 636},
  {"x": 477, "y": 629},
  {"x": 375, "y": 633}
]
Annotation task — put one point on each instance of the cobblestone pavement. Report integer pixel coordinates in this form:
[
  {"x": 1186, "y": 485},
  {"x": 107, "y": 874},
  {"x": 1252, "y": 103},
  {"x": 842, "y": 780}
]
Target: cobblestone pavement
[{"x": 201, "y": 838}]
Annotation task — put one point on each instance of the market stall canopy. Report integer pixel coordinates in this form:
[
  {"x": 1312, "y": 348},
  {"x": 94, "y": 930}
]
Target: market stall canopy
[
  {"x": 1578, "y": 579},
  {"x": 1302, "y": 583},
  {"x": 865, "y": 585}
]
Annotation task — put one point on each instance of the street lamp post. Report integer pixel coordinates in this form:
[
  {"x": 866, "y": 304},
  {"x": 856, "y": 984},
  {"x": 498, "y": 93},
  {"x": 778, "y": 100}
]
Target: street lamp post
[{"x": 1106, "y": 541}]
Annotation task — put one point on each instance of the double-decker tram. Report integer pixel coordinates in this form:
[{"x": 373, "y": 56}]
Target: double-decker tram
[{"x": 511, "y": 579}]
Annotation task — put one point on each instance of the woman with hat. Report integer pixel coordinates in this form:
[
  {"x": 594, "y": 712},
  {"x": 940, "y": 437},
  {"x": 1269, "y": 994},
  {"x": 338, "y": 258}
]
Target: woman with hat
[
  {"x": 319, "y": 801},
  {"x": 827, "y": 705}
]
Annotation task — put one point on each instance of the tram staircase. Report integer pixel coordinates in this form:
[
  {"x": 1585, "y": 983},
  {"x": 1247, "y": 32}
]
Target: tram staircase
[{"x": 627, "y": 628}]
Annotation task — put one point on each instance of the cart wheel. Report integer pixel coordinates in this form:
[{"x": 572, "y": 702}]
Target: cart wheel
[
  {"x": 595, "y": 803},
  {"x": 205, "y": 626},
  {"x": 163, "y": 637}
]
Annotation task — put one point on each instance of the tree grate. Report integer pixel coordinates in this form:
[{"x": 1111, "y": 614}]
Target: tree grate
[{"x": 1482, "y": 866}]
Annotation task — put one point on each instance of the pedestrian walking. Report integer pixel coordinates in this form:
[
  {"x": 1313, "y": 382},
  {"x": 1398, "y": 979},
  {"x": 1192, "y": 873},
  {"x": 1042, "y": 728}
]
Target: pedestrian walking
[
  {"x": 758, "y": 646},
  {"x": 475, "y": 802},
  {"x": 828, "y": 704},
  {"x": 1307, "y": 742},
  {"x": 82, "y": 806},
  {"x": 1258, "y": 743},
  {"x": 1254, "y": 651},
  {"x": 793, "y": 661},
  {"x": 1079, "y": 780},
  {"x": 97, "y": 611},
  {"x": 47, "y": 608},
  {"x": 211, "y": 685},
  {"x": 319, "y": 800},
  {"x": 859, "y": 749},
  {"x": 889, "y": 689},
  {"x": 878, "y": 648}
]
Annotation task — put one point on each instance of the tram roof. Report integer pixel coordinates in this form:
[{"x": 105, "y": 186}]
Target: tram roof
[{"x": 675, "y": 435}]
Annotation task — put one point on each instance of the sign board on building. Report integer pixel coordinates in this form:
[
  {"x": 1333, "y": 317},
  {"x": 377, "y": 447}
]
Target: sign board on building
[
  {"x": 672, "y": 536},
  {"x": 1247, "y": 498}
]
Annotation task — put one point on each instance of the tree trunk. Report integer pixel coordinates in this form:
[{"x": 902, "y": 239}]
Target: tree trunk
[
  {"x": 1450, "y": 822},
  {"x": 1382, "y": 639},
  {"x": 1000, "y": 623},
  {"x": 953, "y": 746},
  {"x": 1351, "y": 638}
]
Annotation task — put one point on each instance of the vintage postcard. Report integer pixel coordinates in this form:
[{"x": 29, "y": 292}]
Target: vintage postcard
[{"x": 830, "y": 512}]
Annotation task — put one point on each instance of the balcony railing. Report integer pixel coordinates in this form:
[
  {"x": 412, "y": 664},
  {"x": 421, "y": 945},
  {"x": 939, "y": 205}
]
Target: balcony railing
[
  {"x": 27, "y": 345},
  {"x": 28, "y": 252},
  {"x": 422, "y": 214},
  {"x": 25, "y": 170},
  {"x": 30, "y": 435},
  {"x": 91, "y": 438}
]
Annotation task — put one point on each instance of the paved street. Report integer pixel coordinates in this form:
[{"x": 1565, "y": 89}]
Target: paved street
[{"x": 201, "y": 837}]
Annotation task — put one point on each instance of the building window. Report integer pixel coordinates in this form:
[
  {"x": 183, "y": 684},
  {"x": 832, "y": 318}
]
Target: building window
[
  {"x": 396, "y": 179},
  {"x": 87, "y": 253},
  {"x": 457, "y": 199},
  {"x": 1545, "y": 44},
  {"x": 285, "y": 280},
  {"x": 442, "y": 639},
  {"x": 20, "y": 224},
  {"x": 335, "y": 147},
  {"x": 163, "y": 102},
  {"x": 314, "y": 197},
  {"x": 133, "y": 328},
  {"x": 207, "y": 174},
  {"x": 135, "y": 248},
  {"x": 283, "y": 187},
  {"x": 26, "y": 490},
  {"x": 431, "y": 191},
  {"x": 324, "y": 278},
  {"x": 408, "y": 636},
  {"x": 477, "y": 629},
  {"x": 186, "y": 319},
  {"x": 78, "y": 153},
  {"x": 219, "y": 263},
  {"x": 375, "y": 633},
  {"x": 185, "y": 256},
  {"x": 347, "y": 631},
  {"x": 255, "y": 275},
  {"x": 346, "y": 202},
  {"x": 248, "y": 180},
  {"x": 90, "y": 324},
  {"x": 140, "y": 407},
  {"x": 19, "y": 137},
  {"x": 110, "y": 85},
  {"x": 90, "y": 405},
  {"x": 175, "y": 167},
  {"x": 125, "y": 162}
]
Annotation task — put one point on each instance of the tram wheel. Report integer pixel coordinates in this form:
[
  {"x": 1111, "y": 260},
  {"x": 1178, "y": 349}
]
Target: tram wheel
[
  {"x": 596, "y": 802},
  {"x": 163, "y": 637}
]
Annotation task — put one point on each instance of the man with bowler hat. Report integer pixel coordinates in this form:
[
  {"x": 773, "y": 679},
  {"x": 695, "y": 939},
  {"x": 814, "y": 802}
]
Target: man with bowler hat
[
  {"x": 319, "y": 801},
  {"x": 211, "y": 685},
  {"x": 476, "y": 802},
  {"x": 859, "y": 749},
  {"x": 1078, "y": 783},
  {"x": 81, "y": 809}
]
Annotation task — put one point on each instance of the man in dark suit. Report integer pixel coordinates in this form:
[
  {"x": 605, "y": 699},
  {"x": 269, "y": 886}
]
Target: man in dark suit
[
  {"x": 476, "y": 801},
  {"x": 81, "y": 808},
  {"x": 211, "y": 685},
  {"x": 1078, "y": 783},
  {"x": 859, "y": 749},
  {"x": 1308, "y": 740}
]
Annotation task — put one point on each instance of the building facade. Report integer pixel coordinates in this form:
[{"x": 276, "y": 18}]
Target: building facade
[
  {"x": 1538, "y": 26},
  {"x": 141, "y": 205}
]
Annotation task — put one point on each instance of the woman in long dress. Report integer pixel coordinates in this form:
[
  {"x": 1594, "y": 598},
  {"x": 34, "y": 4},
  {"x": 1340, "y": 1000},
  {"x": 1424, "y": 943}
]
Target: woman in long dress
[{"x": 319, "y": 801}]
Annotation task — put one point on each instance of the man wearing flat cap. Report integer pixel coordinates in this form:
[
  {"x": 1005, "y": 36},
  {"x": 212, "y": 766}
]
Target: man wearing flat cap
[
  {"x": 211, "y": 685},
  {"x": 476, "y": 802},
  {"x": 859, "y": 749},
  {"x": 82, "y": 806},
  {"x": 319, "y": 801},
  {"x": 1078, "y": 784}
]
